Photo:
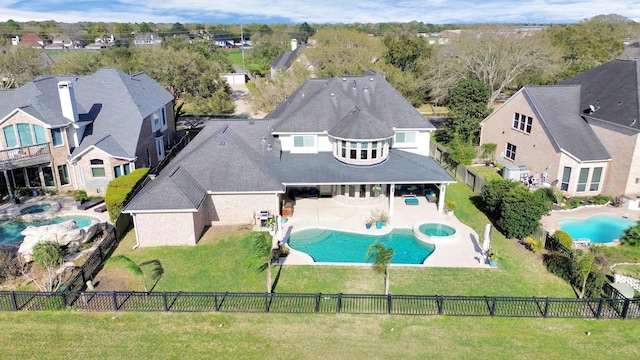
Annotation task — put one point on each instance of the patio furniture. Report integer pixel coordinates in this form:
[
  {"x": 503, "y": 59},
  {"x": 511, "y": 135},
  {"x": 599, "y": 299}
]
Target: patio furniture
[
  {"x": 90, "y": 203},
  {"x": 410, "y": 199},
  {"x": 581, "y": 242}
]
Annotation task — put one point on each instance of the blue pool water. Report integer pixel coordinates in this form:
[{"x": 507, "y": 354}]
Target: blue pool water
[
  {"x": 435, "y": 229},
  {"x": 10, "y": 230},
  {"x": 599, "y": 229},
  {"x": 344, "y": 247}
]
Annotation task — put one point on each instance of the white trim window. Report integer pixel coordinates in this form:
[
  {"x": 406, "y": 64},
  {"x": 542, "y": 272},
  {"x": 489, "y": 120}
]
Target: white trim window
[
  {"x": 595, "y": 179},
  {"x": 97, "y": 168},
  {"x": 522, "y": 123},
  {"x": 304, "y": 143},
  {"x": 405, "y": 137},
  {"x": 160, "y": 147},
  {"x": 511, "y": 152}
]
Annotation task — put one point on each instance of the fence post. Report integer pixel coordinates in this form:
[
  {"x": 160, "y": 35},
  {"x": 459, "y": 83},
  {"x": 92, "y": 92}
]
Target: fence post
[
  {"x": 164, "y": 300},
  {"x": 546, "y": 308},
  {"x": 492, "y": 309},
  {"x": 600, "y": 305},
  {"x": 388, "y": 303},
  {"x": 339, "y": 309},
  {"x": 100, "y": 252},
  {"x": 84, "y": 280},
  {"x": 64, "y": 299},
  {"x": 266, "y": 302},
  {"x": 115, "y": 301},
  {"x": 625, "y": 308},
  {"x": 317, "y": 309},
  {"x": 440, "y": 300},
  {"x": 215, "y": 302},
  {"x": 14, "y": 302}
]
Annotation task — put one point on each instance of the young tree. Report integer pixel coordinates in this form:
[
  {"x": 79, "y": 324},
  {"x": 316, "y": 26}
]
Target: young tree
[
  {"x": 48, "y": 256},
  {"x": 381, "y": 261},
  {"x": 584, "y": 262},
  {"x": 154, "y": 272},
  {"x": 19, "y": 65},
  {"x": 262, "y": 254}
]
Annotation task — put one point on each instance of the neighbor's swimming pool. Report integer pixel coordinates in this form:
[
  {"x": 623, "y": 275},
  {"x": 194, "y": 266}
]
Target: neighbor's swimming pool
[
  {"x": 599, "y": 229},
  {"x": 344, "y": 247},
  {"x": 10, "y": 230}
]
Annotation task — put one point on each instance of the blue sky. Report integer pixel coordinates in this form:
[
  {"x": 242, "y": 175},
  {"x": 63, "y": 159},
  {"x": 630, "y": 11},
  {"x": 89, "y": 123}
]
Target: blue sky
[{"x": 316, "y": 12}]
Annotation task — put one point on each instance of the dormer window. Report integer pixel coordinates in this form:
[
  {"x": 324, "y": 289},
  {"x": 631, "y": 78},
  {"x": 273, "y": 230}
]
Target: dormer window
[{"x": 406, "y": 137}]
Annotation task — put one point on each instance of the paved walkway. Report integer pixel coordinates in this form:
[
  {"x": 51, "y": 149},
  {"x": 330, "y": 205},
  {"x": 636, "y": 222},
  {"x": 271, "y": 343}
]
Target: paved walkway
[{"x": 331, "y": 214}]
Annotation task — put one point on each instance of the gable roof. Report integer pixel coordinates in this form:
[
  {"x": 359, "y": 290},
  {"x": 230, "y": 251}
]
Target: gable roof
[
  {"x": 613, "y": 89},
  {"x": 113, "y": 102},
  {"x": 284, "y": 61},
  {"x": 225, "y": 157},
  {"x": 320, "y": 104},
  {"x": 557, "y": 109}
]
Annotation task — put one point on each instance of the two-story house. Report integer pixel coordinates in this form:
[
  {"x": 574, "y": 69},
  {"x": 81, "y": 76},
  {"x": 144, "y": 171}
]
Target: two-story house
[
  {"x": 68, "y": 132},
  {"x": 581, "y": 135},
  {"x": 353, "y": 139}
]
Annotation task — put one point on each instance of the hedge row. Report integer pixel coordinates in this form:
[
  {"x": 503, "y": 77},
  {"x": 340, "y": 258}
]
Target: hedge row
[{"x": 119, "y": 189}]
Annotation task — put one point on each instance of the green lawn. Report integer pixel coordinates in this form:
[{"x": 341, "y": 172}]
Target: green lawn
[
  {"x": 219, "y": 265},
  {"x": 488, "y": 173},
  {"x": 70, "y": 335},
  {"x": 236, "y": 58}
]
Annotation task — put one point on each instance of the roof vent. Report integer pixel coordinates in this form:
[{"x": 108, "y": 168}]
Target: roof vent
[
  {"x": 354, "y": 84},
  {"x": 344, "y": 79},
  {"x": 593, "y": 109},
  {"x": 222, "y": 143},
  {"x": 366, "y": 89},
  {"x": 332, "y": 94},
  {"x": 269, "y": 147},
  {"x": 633, "y": 122}
]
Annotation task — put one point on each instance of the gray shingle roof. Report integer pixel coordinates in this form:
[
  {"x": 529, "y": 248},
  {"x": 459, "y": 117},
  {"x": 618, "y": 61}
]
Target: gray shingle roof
[
  {"x": 322, "y": 168},
  {"x": 557, "y": 109},
  {"x": 613, "y": 89},
  {"x": 116, "y": 103},
  {"x": 360, "y": 125},
  {"x": 226, "y": 156},
  {"x": 319, "y": 104},
  {"x": 284, "y": 61}
]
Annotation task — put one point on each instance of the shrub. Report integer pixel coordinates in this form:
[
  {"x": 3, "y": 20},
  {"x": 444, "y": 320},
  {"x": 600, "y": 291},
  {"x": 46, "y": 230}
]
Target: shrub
[
  {"x": 572, "y": 203},
  {"x": 9, "y": 265},
  {"x": 80, "y": 195},
  {"x": 631, "y": 236},
  {"x": 493, "y": 192},
  {"x": 601, "y": 199},
  {"x": 563, "y": 238},
  {"x": 119, "y": 190}
]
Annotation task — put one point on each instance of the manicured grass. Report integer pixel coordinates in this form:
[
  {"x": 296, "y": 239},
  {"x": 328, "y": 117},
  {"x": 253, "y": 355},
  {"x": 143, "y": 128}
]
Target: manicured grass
[
  {"x": 68, "y": 335},
  {"x": 488, "y": 173},
  {"x": 218, "y": 264},
  {"x": 236, "y": 58}
]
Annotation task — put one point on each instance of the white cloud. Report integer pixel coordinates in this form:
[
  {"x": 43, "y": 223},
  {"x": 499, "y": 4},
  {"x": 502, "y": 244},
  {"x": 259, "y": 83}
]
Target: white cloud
[{"x": 327, "y": 11}]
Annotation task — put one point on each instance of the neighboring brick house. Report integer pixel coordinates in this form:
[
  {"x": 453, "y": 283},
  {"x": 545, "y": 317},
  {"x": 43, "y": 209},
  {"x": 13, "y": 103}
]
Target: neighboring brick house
[
  {"x": 582, "y": 133},
  {"x": 67, "y": 132},
  {"x": 350, "y": 138}
]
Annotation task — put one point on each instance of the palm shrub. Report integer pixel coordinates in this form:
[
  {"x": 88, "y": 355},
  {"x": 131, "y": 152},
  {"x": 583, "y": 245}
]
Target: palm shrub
[{"x": 631, "y": 236}]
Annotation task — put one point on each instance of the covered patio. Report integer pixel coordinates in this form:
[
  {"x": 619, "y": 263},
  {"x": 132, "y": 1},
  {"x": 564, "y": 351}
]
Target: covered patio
[{"x": 329, "y": 213}]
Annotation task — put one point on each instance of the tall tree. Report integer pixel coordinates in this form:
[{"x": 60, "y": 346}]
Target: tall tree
[
  {"x": 497, "y": 56},
  {"x": 467, "y": 107},
  {"x": 338, "y": 51},
  {"x": 262, "y": 255},
  {"x": 381, "y": 261},
  {"x": 19, "y": 65}
]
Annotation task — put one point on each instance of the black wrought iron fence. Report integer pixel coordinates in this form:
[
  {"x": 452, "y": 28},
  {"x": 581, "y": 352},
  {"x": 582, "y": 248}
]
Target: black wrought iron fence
[{"x": 496, "y": 306}]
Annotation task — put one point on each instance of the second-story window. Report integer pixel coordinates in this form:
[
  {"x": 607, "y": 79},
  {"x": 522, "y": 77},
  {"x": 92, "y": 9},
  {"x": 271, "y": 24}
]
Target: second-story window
[
  {"x": 56, "y": 136},
  {"x": 522, "y": 122},
  {"x": 406, "y": 137},
  {"x": 304, "y": 141}
]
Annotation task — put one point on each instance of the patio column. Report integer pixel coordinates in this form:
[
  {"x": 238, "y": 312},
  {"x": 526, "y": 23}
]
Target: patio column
[
  {"x": 443, "y": 188},
  {"x": 392, "y": 190},
  {"x": 9, "y": 189}
]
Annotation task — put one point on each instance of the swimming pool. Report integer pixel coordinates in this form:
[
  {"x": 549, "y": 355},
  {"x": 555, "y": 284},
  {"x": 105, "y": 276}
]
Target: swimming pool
[
  {"x": 343, "y": 247},
  {"x": 599, "y": 229},
  {"x": 35, "y": 209},
  {"x": 10, "y": 230}
]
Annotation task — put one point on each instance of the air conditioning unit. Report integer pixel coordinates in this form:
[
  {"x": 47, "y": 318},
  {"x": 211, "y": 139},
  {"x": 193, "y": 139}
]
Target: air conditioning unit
[{"x": 515, "y": 172}]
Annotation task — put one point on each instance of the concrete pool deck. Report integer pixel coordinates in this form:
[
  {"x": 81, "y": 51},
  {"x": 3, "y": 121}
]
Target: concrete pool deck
[
  {"x": 550, "y": 222},
  {"x": 328, "y": 213},
  {"x": 67, "y": 207}
]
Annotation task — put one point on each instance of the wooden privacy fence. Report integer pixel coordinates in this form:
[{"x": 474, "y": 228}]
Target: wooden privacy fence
[
  {"x": 615, "y": 307},
  {"x": 461, "y": 172}
]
